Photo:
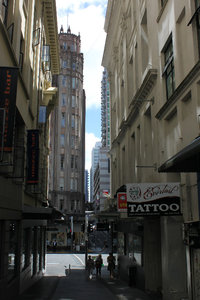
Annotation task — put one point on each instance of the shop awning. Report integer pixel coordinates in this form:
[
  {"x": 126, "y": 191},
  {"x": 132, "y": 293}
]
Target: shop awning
[
  {"x": 41, "y": 213},
  {"x": 187, "y": 160}
]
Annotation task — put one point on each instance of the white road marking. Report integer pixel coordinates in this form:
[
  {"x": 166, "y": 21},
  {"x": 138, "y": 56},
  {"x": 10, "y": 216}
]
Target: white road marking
[{"x": 79, "y": 259}]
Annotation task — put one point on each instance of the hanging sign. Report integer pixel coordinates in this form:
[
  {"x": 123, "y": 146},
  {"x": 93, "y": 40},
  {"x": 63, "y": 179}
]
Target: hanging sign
[
  {"x": 153, "y": 199},
  {"x": 8, "y": 89},
  {"x": 122, "y": 202},
  {"x": 32, "y": 156}
]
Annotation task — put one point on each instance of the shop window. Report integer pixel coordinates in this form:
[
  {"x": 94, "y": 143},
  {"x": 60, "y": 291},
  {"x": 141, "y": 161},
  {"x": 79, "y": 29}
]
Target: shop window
[
  {"x": 135, "y": 247},
  {"x": 168, "y": 71},
  {"x": 12, "y": 249}
]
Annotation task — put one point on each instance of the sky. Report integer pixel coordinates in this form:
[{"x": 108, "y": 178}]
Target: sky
[{"x": 87, "y": 18}]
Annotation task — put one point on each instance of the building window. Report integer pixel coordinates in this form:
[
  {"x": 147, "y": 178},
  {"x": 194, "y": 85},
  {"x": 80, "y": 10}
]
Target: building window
[
  {"x": 73, "y": 82},
  {"x": 72, "y": 161},
  {"x": 64, "y": 81},
  {"x": 73, "y": 100},
  {"x": 72, "y": 184},
  {"x": 74, "y": 66},
  {"x": 73, "y": 121},
  {"x": 62, "y": 140},
  {"x": 72, "y": 141},
  {"x": 63, "y": 99},
  {"x": 64, "y": 45},
  {"x": 61, "y": 183},
  {"x": 61, "y": 204},
  {"x": 46, "y": 58},
  {"x": 163, "y": 2},
  {"x": 168, "y": 71},
  {"x": 4, "y": 11},
  {"x": 62, "y": 119},
  {"x": 76, "y": 162},
  {"x": 197, "y": 3},
  {"x": 62, "y": 157}
]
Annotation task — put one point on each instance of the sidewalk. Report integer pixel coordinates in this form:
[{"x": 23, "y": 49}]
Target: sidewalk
[{"x": 78, "y": 287}]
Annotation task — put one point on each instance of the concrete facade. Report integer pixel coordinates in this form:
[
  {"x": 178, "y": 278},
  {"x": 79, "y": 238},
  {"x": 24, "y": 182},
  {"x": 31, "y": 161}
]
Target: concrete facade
[
  {"x": 152, "y": 58},
  {"x": 28, "y": 44}
]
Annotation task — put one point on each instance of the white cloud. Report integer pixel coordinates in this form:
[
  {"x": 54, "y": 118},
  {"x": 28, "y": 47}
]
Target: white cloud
[
  {"x": 87, "y": 17},
  {"x": 90, "y": 141}
]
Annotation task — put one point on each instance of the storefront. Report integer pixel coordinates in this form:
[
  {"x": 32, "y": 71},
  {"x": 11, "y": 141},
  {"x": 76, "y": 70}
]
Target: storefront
[{"x": 188, "y": 161}]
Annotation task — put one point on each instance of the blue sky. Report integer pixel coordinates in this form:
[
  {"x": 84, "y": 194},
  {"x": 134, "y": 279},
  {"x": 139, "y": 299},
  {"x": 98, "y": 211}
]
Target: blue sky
[{"x": 87, "y": 18}]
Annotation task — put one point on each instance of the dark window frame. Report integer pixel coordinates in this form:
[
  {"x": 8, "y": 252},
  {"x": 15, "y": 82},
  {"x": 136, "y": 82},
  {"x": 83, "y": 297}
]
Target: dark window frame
[{"x": 169, "y": 70}]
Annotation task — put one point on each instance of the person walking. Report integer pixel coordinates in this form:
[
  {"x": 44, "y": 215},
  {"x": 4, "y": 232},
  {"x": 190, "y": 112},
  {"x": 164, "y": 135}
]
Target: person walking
[
  {"x": 90, "y": 266},
  {"x": 98, "y": 265},
  {"x": 111, "y": 264}
]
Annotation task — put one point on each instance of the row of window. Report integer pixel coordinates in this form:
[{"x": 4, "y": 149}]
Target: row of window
[
  {"x": 66, "y": 64},
  {"x": 71, "y": 46},
  {"x": 74, "y": 161},
  {"x": 70, "y": 82},
  {"x": 73, "y": 184},
  {"x": 73, "y": 141},
  {"x": 72, "y": 100}
]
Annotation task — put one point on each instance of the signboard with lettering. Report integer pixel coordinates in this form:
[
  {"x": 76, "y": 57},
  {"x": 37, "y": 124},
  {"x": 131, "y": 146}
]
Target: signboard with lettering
[
  {"x": 122, "y": 202},
  {"x": 8, "y": 89},
  {"x": 147, "y": 199},
  {"x": 32, "y": 156}
]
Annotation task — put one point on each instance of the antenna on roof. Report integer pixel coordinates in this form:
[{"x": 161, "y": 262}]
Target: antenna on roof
[{"x": 67, "y": 20}]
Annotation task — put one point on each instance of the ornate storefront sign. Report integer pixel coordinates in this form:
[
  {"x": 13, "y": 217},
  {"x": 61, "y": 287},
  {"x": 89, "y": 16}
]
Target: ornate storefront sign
[{"x": 153, "y": 199}]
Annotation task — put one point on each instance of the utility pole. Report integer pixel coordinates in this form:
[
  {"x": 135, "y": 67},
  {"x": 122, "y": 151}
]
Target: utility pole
[
  {"x": 72, "y": 232},
  {"x": 86, "y": 238}
]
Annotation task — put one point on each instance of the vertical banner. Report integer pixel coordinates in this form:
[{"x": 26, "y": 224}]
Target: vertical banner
[
  {"x": 122, "y": 202},
  {"x": 32, "y": 156},
  {"x": 8, "y": 89}
]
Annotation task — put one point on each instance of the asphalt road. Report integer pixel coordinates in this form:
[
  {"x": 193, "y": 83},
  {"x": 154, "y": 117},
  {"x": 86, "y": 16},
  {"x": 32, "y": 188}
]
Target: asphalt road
[{"x": 56, "y": 263}]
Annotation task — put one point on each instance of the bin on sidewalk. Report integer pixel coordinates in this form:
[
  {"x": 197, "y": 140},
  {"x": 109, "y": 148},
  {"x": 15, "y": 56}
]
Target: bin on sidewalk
[{"x": 77, "y": 247}]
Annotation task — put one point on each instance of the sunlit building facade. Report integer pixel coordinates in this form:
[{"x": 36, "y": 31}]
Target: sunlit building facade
[
  {"x": 29, "y": 58},
  {"x": 67, "y": 132},
  {"x": 152, "y": 58}
]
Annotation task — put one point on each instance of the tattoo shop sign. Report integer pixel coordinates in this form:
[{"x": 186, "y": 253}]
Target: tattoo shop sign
[{"x": 150, "y": 199}]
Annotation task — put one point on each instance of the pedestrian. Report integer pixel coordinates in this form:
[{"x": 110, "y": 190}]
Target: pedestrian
[
  {"x": 111, "y": 264},
  {"x": 90, "y": 266},
  {"x": 98, "y": 265},
  {"x": 54, "y": 245}
]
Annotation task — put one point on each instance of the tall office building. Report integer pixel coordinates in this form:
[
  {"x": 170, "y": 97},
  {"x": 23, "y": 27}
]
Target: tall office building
[
  {"x": 95, "y": 161},
  {"x": 105, "y": 110},
  {"x": 86, "y": 186},
  {"x": 67, "y": 156}
]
